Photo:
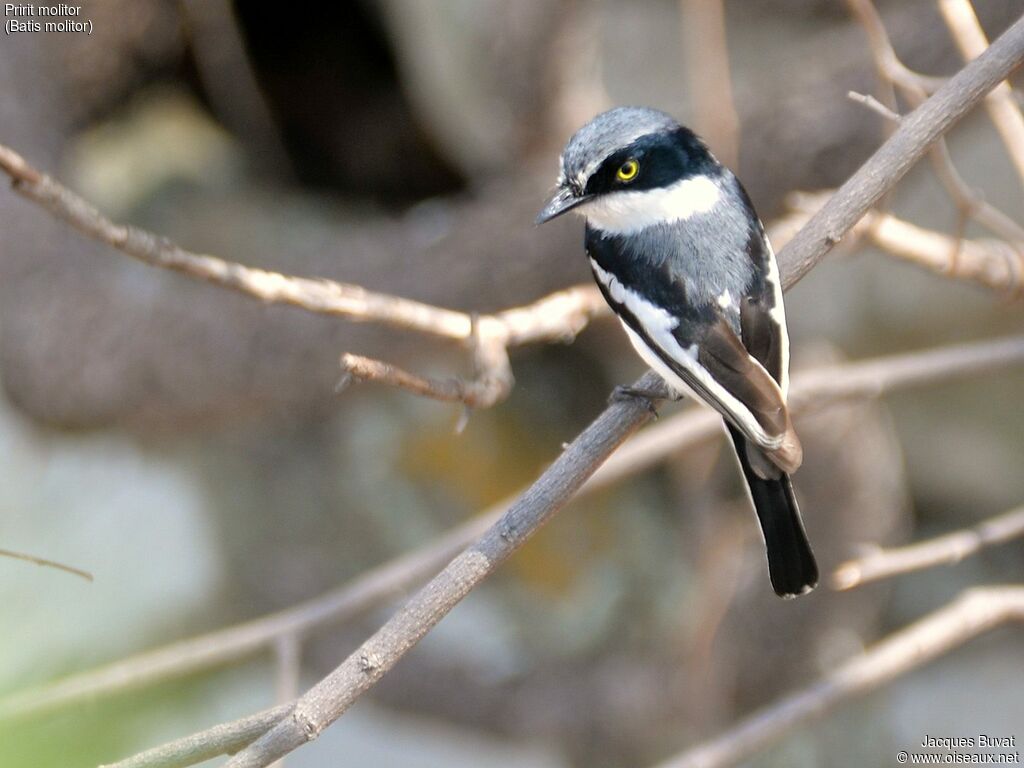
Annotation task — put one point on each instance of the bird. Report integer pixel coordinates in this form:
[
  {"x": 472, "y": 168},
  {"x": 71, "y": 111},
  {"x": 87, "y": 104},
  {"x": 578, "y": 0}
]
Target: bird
[{"x": 679, "y": 253}]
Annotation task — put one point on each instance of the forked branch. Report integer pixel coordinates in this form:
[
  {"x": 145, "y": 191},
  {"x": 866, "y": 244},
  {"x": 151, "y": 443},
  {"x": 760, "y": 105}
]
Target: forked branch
[{"x": 558, "y": 317}]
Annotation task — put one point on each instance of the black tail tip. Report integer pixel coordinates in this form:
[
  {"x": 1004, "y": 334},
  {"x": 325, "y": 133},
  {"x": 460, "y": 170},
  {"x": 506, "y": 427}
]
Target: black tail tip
[{"x": 794, "y": 578}]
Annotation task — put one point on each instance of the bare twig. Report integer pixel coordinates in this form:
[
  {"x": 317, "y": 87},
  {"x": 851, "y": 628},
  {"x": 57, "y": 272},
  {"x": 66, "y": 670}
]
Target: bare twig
[
  {"x": 915, "y": 89},
  {"x": 873, "y": 104},
  {"x": 558, "y": 317},
  {"x": 811, "y": 391},
  {"x": 992, "y": 263},
  {"x": 46, "y": 563},
  {"x": 223, "y": 739},
  {"x": 710, "y": 84},
  {"x": 916, "y": 133},
  {"x": 950, "y": 549},
  {"x": 975, "y": 612},
  {"x": 1000, "y": 104}
]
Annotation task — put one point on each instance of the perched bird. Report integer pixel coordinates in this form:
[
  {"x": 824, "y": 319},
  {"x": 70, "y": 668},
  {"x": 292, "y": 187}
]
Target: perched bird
[{"x": 681, "y": 256}]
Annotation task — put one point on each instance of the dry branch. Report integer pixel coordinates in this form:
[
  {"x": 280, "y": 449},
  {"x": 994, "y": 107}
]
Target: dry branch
[
  {"x": 205, "y": 745},
  {"x": 915, "y": 89},
  {"x": 916, "y": 133},
  {"x": 950, "y": 549},
  {"x": 1002, "y": 108},
  {"x": 973, "y": 613},
  {"x": 992, "y": 263},
  {"x": 42, "y": 561},
  {"x": 558, "y": 317},
  {"x": 811, "y": 391}
]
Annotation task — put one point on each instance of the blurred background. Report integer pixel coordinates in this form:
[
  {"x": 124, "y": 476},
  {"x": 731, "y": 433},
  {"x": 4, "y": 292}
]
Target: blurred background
[{"x": 186, "y": 446}]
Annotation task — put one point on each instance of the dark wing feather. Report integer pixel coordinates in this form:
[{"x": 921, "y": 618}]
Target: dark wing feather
[
  {"x": 729, "y": 362},
  {"x": 761, "y": 335}
]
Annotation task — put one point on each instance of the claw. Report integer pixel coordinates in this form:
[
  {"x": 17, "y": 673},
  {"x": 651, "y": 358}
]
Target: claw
[{"x": 646, "y": 397}]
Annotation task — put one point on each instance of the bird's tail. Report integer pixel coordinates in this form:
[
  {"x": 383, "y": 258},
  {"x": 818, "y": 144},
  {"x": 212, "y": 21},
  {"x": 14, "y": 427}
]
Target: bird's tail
[{"x": 791, "y": 564}]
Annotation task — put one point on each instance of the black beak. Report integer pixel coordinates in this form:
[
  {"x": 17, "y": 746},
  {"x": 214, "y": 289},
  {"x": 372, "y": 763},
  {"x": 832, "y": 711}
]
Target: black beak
[{"x": 563, "y": 202}]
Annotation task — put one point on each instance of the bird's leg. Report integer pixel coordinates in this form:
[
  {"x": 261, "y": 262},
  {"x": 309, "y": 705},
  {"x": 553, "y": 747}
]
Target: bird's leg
[{"x": 647, "y": 397}]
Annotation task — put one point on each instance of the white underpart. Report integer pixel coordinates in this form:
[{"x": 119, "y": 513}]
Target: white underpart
[
  {"x": 725, "y": 299},
  {"x": 626, "y": 213},
  {"x": 778, "y": 314},
  {"x": 659, "y": 324}
]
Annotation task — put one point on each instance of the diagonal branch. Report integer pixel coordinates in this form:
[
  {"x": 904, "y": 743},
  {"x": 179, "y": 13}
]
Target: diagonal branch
[
  {"x": 944, "y": 550},
  {"x": 1001, "y": 107},
  {"x": 975, "y": 612},
  {"x": 992, "y": 263},
  {"x": 42, "y": 561},
  {"x": 220, "y": 740},
  {"x": 915, "y": 89}
]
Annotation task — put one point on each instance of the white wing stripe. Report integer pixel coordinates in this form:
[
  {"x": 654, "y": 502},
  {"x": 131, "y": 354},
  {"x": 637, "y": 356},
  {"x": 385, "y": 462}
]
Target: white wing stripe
[{"x": 658, "y": 325}]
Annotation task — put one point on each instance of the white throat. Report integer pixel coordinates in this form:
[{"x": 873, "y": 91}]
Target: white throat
[{"x": 625, "y": 213}]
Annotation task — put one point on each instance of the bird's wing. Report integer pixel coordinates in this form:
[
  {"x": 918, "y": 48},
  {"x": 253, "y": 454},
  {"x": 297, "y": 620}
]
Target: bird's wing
[
  {"x": 717, "y": 367},
  {"x": 735, "y": 369}
]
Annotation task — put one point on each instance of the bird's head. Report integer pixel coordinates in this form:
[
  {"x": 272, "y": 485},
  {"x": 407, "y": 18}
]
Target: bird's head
[{"x": 632, "y": 166}]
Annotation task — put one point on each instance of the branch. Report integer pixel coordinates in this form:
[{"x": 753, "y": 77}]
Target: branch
[
  {"x": 975, "y": 612},
  {"x": 915, "y": 134},
  {"x": 220, "y": 740},
  {"x": 1000, "y": 104},
  {"x": 945, "y": 550},
  {"x": 557, "y": 317},
  {"x": 810, "y": 391},
  {"x": 915, "y": 89},
  {"x": 991, "y": 263},
  {"x": 46, "y": 563}
]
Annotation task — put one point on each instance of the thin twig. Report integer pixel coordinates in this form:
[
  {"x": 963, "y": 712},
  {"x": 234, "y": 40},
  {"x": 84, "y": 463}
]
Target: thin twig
[
  {"x": 916, "y": 133},
  {"x": 915, "y": 89},
  {"x": 992, "y": 263},
  {"x": 975, "y": 612},
  {"x": 46, "y": 563},
  {"x": 873, "y": 104},
  {"x": 223, "y": 739},
  {"x": 950, "y": 549},
  {"x": 557, "y": 317},
  {"x": 1000, "y": 104}
]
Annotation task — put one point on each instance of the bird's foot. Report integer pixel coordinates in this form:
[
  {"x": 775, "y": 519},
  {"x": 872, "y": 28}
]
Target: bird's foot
[{"x": 646, "y": 397}]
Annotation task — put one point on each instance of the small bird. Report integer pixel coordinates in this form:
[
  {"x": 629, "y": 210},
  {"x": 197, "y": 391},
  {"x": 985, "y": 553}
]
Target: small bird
[{"x": 682, "y": 258}]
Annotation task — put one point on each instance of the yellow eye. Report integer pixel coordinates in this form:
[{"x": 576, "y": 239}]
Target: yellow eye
[{"x": 628, "y": 170}]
